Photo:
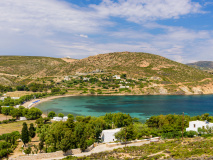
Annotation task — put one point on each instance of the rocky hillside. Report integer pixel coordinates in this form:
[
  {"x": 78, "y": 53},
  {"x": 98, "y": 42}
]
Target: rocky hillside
[
  {"x": 203, "y": 65},
  {"x": 139, "y": 65},
  {"x": 159, "y": 75}
]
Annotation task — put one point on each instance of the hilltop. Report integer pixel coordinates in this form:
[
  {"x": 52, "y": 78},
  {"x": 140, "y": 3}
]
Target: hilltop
[
  {"x": 203, "y": 65},
  {"x": 143, "y": 72}
]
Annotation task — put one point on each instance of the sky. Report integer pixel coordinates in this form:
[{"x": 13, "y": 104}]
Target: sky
[{"x": 181, "y": 30}]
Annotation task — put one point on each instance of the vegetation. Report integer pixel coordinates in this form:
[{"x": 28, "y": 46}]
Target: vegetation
[
  {"x": 203, "y": 65},
  {"x": 141, "y": 73},
  {"x": 31, "y": 114},
  {"x": 80, "y": 134},
  {"x": 8, "y": 142},
  {"x": 25, "y": 134},
  {"x": 86, "y": 130},
  {"x": 164, "y": 150}
]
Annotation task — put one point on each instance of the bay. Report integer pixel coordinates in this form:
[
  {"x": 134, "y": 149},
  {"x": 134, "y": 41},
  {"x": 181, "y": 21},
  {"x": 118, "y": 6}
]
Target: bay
[{"x": 141, "y": 107}]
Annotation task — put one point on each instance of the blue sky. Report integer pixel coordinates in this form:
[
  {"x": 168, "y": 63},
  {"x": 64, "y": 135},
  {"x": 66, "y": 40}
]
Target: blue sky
[{"x": 181, "y": 30}]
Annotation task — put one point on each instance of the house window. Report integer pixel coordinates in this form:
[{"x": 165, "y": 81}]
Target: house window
[{"x": 194, "y": 125}]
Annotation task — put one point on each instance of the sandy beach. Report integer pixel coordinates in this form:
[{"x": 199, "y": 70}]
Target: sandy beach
[{"x": 44, "y": 100}]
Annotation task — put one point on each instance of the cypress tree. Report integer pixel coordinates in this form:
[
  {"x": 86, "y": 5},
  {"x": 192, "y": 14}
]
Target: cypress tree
[
  {"x": 25, "y": 134},
  {"x": 31, "y": 131}
]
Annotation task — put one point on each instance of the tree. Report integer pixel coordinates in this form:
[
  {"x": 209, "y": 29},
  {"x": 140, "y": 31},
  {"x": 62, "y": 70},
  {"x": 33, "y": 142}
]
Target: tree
[
  {"x": 5, "y": 110},
  {"x": 61, "y": 115},
  {"x": 55, "y": 90},
  {"x": 126, "y": 133},
  {"x": 70, "y": 116},
  {"x": 16, "y": 113},
  {"x": 39, "y": 122},
  {"x": 28, "y": 150},
  {"x": 34, "y": 113},
  {"x": 52, "y": 114},
  {"x": 70, "y": 123},
  {"x": 25, "y": 134},
  {"x": 41, "y": 145},
  {"x": 67, "y": 142},
  {"x": 32, "y": 131},
  {"x": 201, "y": 130},
  {"x": 123, "y": 76}
]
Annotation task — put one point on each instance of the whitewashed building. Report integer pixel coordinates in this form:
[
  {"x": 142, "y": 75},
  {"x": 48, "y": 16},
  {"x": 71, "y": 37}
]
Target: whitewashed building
[
  {"x": 109, "y": 135},
  {"x": 64, "y": 119},
  {"x": 124, "y": 86},
  {"x": 86, "y": 79},
  {"x": 194, "y": 125},
  {"x": 67, "y": 78},
  {"x": 117, "y": 76},
  {"x": 23, "y": 119}
]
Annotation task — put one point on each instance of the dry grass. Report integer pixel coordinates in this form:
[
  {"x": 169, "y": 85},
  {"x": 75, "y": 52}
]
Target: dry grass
[
  {"x": 16, "y": 126},
  {"x": 3, "y": 117},
  {"x": 19, "y": 93}
]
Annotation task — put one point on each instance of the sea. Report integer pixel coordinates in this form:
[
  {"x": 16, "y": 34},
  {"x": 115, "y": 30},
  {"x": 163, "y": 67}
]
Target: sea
[{"x": 142, "y": 107}]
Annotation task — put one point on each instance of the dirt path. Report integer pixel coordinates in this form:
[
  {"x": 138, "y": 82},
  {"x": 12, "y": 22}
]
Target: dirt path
[
  {"x": 17, "y": 152},
  {"x": 103, "y": 148}
]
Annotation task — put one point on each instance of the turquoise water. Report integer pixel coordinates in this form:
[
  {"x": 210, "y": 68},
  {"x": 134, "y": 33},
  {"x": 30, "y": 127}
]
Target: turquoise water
[{"x": 141, "y": 107}]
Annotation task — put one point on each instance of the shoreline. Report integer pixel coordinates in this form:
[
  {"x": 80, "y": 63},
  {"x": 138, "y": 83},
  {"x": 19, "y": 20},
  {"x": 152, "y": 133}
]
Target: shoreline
[{"x": 73, "y": 95}]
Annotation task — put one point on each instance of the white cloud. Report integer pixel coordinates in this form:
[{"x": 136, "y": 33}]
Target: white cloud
[
  {"x": 143, "y": 10},
  {"x": 56, "y": 28},
  {"x": 32, "y": 17},
  {"x": 83, "y": 36}
]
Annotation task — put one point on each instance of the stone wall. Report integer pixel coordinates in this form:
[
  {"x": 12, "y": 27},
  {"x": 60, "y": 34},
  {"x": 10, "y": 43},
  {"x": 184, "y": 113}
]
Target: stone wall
[{"x": 40, "y": 156}]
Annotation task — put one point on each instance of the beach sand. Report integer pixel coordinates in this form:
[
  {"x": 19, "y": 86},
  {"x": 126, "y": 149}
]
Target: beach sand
[{"x": 44, "y": 100}]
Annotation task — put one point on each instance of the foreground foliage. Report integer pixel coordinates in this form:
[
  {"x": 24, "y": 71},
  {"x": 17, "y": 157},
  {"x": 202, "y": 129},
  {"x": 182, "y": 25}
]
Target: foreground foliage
[
  {"x": 8, "y": 142},
  {"x": 80, "y": 134},
  {"x": 164, "y": 150}
]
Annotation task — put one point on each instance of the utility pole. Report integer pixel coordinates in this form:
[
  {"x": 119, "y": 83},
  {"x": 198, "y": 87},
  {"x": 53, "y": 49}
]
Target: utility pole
[
  {"x": 7, "y": 147},
  {"x": 125, "y": 136},
  {"x": 182, "y": 126}
]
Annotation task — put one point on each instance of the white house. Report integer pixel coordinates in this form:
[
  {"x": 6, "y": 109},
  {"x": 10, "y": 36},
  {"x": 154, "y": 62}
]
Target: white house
[
  {"x": 109, "y": 135},
  {"x": 66, "y": 78},
  {"x": 124, "y": 86},
  {"x": 60, "y": 118},
  {"x": 117, "y": 76},
  {"x": 86, "y": 79},
  {"x": 194, "y": 125},
  {"x": 23, "y": 119},
  {"x": 2, "y": 98}
]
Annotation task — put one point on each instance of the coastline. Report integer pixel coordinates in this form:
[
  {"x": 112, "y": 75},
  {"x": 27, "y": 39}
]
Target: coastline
[
  {"x": 72, "y": 95},
  {"x": 44, "y": 100}
]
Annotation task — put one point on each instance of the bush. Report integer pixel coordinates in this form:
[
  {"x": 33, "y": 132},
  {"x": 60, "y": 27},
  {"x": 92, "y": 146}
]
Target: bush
[
  {"x": 190, "y": 134},
  {"x": 52, "y": 114},
  {"x": 61, "y": 115},
  {"x": 170, "y": 135},
  {"x": 5, "y": 121},
  {"x": 207, "y": 135},
  {"x": 90, "y": 142}
]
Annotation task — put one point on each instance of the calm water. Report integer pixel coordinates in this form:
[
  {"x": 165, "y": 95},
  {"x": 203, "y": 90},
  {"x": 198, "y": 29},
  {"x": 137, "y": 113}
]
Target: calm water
[{"x": 141, "y": 107}]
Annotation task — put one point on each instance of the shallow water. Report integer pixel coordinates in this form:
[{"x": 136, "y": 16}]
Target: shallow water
[{"x": 141, "y": 107}]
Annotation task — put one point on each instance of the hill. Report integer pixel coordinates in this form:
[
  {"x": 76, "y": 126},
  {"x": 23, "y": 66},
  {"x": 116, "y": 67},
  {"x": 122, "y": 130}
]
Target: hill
[
  {"x": 203, "y": 65},
  {"x": 31, "y": 66},
  {"x": 145, "y": 73},
  {"x": 139, "y": 65}
]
